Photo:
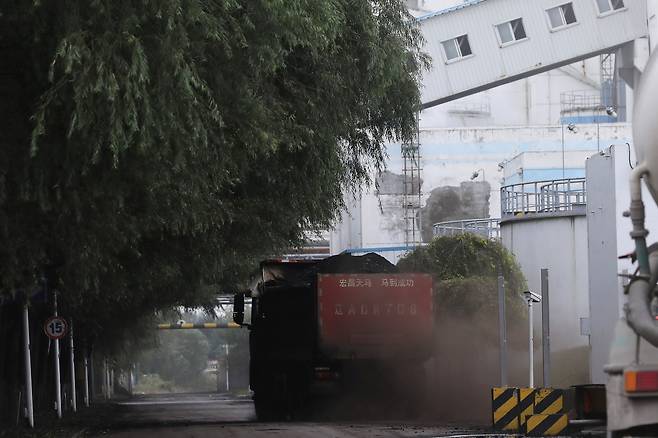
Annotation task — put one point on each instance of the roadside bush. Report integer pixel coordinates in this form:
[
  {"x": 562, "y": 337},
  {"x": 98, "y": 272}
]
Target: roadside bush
[{"x": 465, "y": 269}]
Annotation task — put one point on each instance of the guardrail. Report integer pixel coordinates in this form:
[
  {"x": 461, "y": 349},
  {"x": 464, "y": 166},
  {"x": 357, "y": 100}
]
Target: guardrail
[
  {"x": 487, "y": 228},
  {"x": 551, "y": 196}
]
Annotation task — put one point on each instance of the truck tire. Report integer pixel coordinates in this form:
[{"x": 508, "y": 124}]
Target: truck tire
[
  {"x": 271, "y": 398},
  {"x": 266, "y": 408}
]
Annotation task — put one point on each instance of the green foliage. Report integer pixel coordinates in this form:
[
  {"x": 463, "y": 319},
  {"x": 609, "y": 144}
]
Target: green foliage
[
  {"x": 153, "y": 384},
  {"x": 465, "y": 269},
  {"x": 153, "y": 150},
  {"x": 181, "y": 357}
]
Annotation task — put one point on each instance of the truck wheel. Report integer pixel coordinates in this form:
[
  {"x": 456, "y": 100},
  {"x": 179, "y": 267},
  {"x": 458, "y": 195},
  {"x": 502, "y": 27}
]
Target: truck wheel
[
  {"x": 265, "y": 408},
  {"x": 271, "y": 399}
]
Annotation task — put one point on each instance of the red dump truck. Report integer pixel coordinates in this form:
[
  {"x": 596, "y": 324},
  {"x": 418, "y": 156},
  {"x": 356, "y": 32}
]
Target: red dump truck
[{"x": 334, "y": 326}]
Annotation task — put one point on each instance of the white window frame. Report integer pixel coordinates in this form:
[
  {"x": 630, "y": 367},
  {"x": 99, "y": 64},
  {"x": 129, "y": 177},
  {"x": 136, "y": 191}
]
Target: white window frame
[
  {"x": 564, "y": 19},
  {"x": 460, "y": 57},
  {"x": 514, "y": 41},
  {"x": 611, "y": 11}
]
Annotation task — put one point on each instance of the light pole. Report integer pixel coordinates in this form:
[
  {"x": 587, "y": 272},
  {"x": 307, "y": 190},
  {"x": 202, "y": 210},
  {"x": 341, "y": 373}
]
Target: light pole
[
  {"x": 573, "y": 129},
  {"x": 610, "y": 111},
  {"x": 530, "y": 298},
  {"x": 475, "y": 175}
]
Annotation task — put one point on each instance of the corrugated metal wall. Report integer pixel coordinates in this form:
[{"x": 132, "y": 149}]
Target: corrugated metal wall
[{"x": 543, "y": 48}]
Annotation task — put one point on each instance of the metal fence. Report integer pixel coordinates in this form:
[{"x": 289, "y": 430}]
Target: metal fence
[
  {"x": 582, "y": 100},
  {"x": 561, "y": 195},
  {"x": 487, "y": 228}
]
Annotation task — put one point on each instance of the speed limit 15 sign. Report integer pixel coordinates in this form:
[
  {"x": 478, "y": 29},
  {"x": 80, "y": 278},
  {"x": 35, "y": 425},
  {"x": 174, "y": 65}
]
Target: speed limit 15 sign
[{"x": 55, "y": 327}]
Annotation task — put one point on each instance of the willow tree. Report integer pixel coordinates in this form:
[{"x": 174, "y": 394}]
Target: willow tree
[
  {"x": 151, "y": 149},
  {"x": 465, "y": 270}
]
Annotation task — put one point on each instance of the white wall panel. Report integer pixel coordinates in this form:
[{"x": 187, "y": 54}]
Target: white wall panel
[
  {"x": 560, "y": 245},
  {"x": 543, "y": 49}
]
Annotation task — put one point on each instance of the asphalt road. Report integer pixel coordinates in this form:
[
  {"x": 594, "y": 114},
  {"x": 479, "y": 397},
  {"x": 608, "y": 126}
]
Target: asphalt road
[{"x": 216, "y": 415}]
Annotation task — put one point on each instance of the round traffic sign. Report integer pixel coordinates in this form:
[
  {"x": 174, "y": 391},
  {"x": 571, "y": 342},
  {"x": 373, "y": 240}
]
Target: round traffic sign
[{"x": 55, "y": 327}]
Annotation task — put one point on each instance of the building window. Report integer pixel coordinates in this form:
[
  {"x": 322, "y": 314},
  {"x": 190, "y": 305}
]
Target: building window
[
  {"x": 561, "y": 16},
  {"x": 511, "y": 31},
  {"x": 457, "y": 48},
  {"x": 606, "y": 6}
]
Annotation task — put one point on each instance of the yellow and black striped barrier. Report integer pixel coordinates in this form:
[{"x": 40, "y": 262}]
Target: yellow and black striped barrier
[
  {"x": 505, "y": 408},
  {"x": 546, "y": 425},
  {"x": 512, "y": 409},
  {"x": 205, "y": 325},
  {"x": 526, "y": 404},
  {"x": 549, "y": 401}
]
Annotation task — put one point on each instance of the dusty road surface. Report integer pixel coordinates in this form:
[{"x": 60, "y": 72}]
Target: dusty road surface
[{"x": 213, "y": 415}]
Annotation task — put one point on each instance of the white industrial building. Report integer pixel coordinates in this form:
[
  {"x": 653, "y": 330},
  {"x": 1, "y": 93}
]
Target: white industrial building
[
  {"x": 519, "y": 92},
  {"x": 486, "y": 130}
]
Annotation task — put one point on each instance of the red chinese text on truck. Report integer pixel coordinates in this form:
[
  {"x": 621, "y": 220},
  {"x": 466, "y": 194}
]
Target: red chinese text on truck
[{"x": 374, "y": 315}]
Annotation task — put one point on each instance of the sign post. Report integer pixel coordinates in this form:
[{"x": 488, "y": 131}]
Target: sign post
[
  {"x": 74, "y": 402},
  {"x": 55, "y": 328},
  {"x": 28, "y": 364}
]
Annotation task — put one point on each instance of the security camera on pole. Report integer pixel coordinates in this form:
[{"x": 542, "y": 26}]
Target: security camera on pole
[{"x": 530, "y": 298}]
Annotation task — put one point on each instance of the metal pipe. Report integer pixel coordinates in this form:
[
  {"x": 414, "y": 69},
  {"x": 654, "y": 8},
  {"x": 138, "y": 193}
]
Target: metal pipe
[
  {"x": 562, "y": 149},
  {"x": 74, "y": 402},
  {"x": 28, "y": 365},
  {"x": 639, "y": 296},
  {"x": 530, "y": 347},
  {"x": 639, "y": 315},
  {"x": 546, "y": 329},
  {"x": 639, "y": 233}
]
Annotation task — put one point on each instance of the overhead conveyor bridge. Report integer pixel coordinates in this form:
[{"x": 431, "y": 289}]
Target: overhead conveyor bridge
[{"x": 482, "y": 44}]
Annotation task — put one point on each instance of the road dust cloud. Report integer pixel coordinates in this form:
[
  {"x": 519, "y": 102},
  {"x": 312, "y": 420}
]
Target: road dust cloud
[
  {"x": 466, "y": 365},
  {"x": 453, "y": 386}
]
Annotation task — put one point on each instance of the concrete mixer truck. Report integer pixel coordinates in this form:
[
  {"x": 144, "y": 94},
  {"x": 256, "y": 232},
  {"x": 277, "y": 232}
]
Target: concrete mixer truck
[{"x": 632, "y": 386}]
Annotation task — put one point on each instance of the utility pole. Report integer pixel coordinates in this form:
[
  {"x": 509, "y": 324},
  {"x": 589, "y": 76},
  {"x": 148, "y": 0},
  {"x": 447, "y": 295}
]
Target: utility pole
[
  {"x": 111, "y": 382},
  {"x": 28, "y": 364},
  {"x": 74, "y": 402},
  {"x": 86, "y": 366},
  {"x": 58, "y": 387},
  {"x": 106, "y": 380},
  {"x": 227, "y": 384},
  {"x": 131, "y": 378}
]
